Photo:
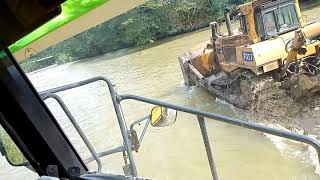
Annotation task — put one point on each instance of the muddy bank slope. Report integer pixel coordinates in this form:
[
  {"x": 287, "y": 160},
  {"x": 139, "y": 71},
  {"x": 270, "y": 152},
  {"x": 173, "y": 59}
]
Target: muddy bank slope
[{"x": 272, "y": 105}]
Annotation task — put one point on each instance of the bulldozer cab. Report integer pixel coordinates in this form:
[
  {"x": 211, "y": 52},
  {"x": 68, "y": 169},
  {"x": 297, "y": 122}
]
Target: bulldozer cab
[{"x": 264, "y": 19}]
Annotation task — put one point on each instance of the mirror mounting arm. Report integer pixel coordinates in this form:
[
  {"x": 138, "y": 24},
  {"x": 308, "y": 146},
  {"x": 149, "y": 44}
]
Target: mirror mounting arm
[{"x": 135, "y": 142}]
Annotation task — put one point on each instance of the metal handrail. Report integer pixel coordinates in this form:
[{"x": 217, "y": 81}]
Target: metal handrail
[
  {"x": 76, "y": 126},
  {"x": 117, "y": 99},
  {"x": 249, "y": 125},
  {"x": 117, "y": 108},
  {"x": 106, "y": 153}
]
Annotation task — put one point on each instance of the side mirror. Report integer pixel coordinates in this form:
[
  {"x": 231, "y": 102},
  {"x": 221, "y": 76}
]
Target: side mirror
[
  {"x": 9, "y": 149},
  {"x": 162, "y": 116}
]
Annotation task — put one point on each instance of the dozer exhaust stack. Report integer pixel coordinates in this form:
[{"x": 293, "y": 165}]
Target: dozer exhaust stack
[
  {"x": 228, "y": 22},
  {"x": 214, "y": 31}
]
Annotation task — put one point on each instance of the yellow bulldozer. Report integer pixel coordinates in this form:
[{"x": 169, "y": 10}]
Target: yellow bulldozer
[{"x": 272, "y": 40}]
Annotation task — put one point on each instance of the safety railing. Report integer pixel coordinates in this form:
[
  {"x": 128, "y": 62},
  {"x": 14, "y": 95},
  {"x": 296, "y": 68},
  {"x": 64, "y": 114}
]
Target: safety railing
[{"x": 126, "y": 148}]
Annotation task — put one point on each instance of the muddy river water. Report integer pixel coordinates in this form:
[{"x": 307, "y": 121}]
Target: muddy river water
[{"x": 174, "y": 152}]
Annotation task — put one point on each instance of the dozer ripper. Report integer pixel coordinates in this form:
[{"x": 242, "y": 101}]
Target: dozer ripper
[{"x": 272, "y": 40}]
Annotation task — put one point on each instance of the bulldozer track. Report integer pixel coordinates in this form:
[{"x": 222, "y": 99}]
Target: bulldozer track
[{"x": 229, "y": 80}]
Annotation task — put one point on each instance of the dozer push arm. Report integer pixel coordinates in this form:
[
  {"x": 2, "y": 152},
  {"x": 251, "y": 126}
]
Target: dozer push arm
[
  {"x": 296, "y": 47},
  {"x": 310, "y": 32}
]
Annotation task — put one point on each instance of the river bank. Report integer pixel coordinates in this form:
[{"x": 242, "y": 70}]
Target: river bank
[
  {"x": 272, "y": 105},
  {"x": 155, "y": 20},
  {"x": 143, "y": 25},
  {"x": 274, "y": 108}
]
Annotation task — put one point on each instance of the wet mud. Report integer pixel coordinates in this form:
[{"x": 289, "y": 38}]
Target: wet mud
[{"x": 273, "y": 105}]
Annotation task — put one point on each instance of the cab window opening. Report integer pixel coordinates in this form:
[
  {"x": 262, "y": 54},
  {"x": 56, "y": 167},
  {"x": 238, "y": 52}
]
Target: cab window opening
[
  {"x": 270, "y": 23},
  {"x": 287, "y": 17},
  {"x": 277, "y": 20}
]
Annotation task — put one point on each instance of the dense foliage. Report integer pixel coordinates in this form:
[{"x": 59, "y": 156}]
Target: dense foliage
[{"x": 154, "y": 20}]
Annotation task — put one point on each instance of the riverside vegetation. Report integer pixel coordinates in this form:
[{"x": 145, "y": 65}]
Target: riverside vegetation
[{"x": 152, "y": 21}]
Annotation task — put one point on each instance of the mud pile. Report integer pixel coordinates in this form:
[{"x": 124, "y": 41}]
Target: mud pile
[{"x": 272, "y": 104}]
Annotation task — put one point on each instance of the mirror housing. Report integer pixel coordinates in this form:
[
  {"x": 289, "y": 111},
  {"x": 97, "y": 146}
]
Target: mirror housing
[
  {"x": 162, "y": 116},
  {"x": 9, "y": 149}
]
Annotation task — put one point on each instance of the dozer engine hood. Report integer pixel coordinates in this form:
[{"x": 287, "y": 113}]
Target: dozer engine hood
[
  {"x": 259, "y": 54},
  {"x": 269, "y": 55}
]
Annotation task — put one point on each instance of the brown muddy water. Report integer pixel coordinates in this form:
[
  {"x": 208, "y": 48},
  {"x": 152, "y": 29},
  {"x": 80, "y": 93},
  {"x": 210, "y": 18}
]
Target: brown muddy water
[{"x": 171, "y": 153}]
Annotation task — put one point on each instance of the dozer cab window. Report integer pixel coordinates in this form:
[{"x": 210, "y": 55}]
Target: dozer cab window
[
  {"x": 276, "y": 19},
  {"x": 270, "y": 23},
  {"x": 259, "y": 25},
  {"x": 287, "y": 17},
  {"x": 243, "y": 24}
]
